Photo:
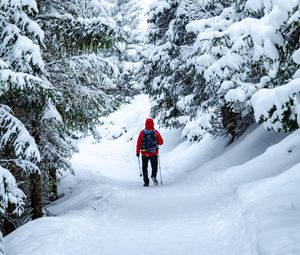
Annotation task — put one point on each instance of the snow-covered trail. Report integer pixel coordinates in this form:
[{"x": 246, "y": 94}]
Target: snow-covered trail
[
  {"x": 116, "y": 215},
  {"x": 240, "y": 199},
  {"x": 173, "y": 219}
]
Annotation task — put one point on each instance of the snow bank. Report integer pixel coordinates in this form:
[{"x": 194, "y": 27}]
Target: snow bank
[
  {"x": 280, "y": 155},
  {"x": 268, "y": 186},
  {"x": 263, "y": 170},
  {"x": 187, "y": 157},
  {"x": 272, "y": 211},
  {"x": 254, "y": 142}
]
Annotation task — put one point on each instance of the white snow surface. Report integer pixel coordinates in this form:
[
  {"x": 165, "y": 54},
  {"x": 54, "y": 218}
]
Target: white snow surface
[{"x": 241, "y": 199}]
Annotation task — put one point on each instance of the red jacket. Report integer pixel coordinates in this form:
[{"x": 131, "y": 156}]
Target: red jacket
[{"x": 149, "y": 125}]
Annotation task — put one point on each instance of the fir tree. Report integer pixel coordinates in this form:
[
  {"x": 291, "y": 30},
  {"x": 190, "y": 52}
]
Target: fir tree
[
  {"x": 24, "y": 89},
  {"x": 170, "y": 74},
  {"x": 221, "y": 59},
  {"x": 128, "y": 14},
  {"x": 51, "y": 104}
]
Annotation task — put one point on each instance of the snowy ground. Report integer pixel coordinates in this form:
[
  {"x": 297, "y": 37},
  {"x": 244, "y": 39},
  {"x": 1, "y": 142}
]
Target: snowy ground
[{"x": 216, "y": 200}]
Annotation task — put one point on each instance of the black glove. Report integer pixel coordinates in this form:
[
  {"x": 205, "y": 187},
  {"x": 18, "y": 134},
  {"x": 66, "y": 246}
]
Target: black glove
[{"x": 138, "y": 155}]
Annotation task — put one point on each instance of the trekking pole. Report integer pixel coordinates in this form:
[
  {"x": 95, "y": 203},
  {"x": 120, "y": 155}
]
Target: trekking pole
[
  {"x": 161, "y": 182},
  {"x": 140, "y": 167}
]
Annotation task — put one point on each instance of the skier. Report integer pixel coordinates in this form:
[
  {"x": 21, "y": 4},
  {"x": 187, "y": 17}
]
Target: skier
[{"x": 147, "y": 144}]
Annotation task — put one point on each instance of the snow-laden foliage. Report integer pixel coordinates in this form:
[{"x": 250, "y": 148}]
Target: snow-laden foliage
[
  {"x": 82, "y": 34},
  {"x": 162, "y": 63},
  {"x": 169, "y": 77},
  {"x": 278, "y": 108},
  {"x": 23, "y": 84},
  {"x": 20, "y": 36},
  {"x": 59, "y": 72},
  {"x": 213, "y": 59},
  {"x": 23, "y": 95},
  {"x": 56, "y": 147},
  {"x": 9, "y": 192},
  {"x": 81, "y": 37},
  {"x": 128, "y": 15},
  {"x": 80, "y": 26},
  {"x": 13, "y": 133},
  {"x": 88, "y": 88},
  {"x": 79, "y": 8},
  {"x": 245, "y": 48}
]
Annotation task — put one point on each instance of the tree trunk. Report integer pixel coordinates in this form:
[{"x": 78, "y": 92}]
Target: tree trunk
[
  {"x": 1, "y": 245},
  {"x": 36, "y": 195},
  {"x": 36, "y": 181},
  {"x": 53, "y": 184},
  {"x": 9, "y": 221},
  {"x": 229, "y": 120}
]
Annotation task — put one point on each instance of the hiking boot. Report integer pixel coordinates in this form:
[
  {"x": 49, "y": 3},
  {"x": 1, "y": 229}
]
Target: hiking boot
[
  {"x": 154, "y": 181},
  {"x": 146, "y": 182}
]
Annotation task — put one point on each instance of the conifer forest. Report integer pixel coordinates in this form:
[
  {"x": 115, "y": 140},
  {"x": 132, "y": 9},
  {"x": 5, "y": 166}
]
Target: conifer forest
[{"x": 212, "y": 71}]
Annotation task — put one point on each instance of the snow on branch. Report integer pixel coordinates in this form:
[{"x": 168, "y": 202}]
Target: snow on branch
[
  {"x": 29, "y": 5},
  {"x": 14, "y": 132},
  {"x": 51, "y": 113},
  {"x": 21, "y": 81},
  {"x": 20, "y": 37},
  {"x": 86, "y": 34},
  {"x": 278, "y": 108},
  {"x": 9, "y": 192}
]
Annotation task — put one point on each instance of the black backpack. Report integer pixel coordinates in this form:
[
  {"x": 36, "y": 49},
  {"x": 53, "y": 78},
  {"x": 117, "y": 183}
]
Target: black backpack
[{"x": 149, "y": 141}]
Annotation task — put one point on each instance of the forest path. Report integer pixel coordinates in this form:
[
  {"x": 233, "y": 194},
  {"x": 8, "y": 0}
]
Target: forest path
[
  {"x": 116, "y": 215},
  {"x": 105, "y": 209},
  {"x": 203, "y": 208}
]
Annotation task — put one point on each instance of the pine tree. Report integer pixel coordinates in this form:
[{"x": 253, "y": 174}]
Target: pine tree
[
  {"x": 277, "y": 108},
  {"x": 221, "y": 59},
  {"x": 35, "y": 98},
  {"x": 79, "y": 59},
  {"x": 163, "y": 68},
  {"x": 128, "y": 15},
  {"x": 242, "y": 58},
  {"x": 170, "y": 74},
  {"x": 24, "y": 86},
  {"x": 80, "y": 37}
]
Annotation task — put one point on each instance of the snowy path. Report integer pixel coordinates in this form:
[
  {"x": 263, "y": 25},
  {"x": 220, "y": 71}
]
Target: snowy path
[
  {"x": 116, "y": 215},
  {"x": 217, "y": 200},
  {"x": 106, "y": 211}
]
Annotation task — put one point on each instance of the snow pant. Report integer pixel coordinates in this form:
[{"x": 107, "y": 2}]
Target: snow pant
[{"x": 154, "y": 163}]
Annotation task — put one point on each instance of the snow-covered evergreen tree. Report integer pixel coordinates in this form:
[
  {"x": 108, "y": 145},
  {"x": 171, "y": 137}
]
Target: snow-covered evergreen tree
[
  {"x": 81, "y": 40},
  {"x": 171, "y": 78},
  {"x": 278, "y": 108},
  {"x": 10, "y": 193},
  {"x": 205, "y": 60},
  {"x": 241, "y": 51},
  {"x": 18, "y": 150},
  {"x": 23, "y": 88},
  {"x": 128, "y": 15},
  {"x": 79, "y": 44},
  {"x": 76, "y": 89},
  {"x": 163, "y": 67},
  {"x": 56, "y": 150}
]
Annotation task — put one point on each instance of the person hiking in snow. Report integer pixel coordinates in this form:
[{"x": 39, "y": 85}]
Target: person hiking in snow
[{"x": 147, "y": 144}]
